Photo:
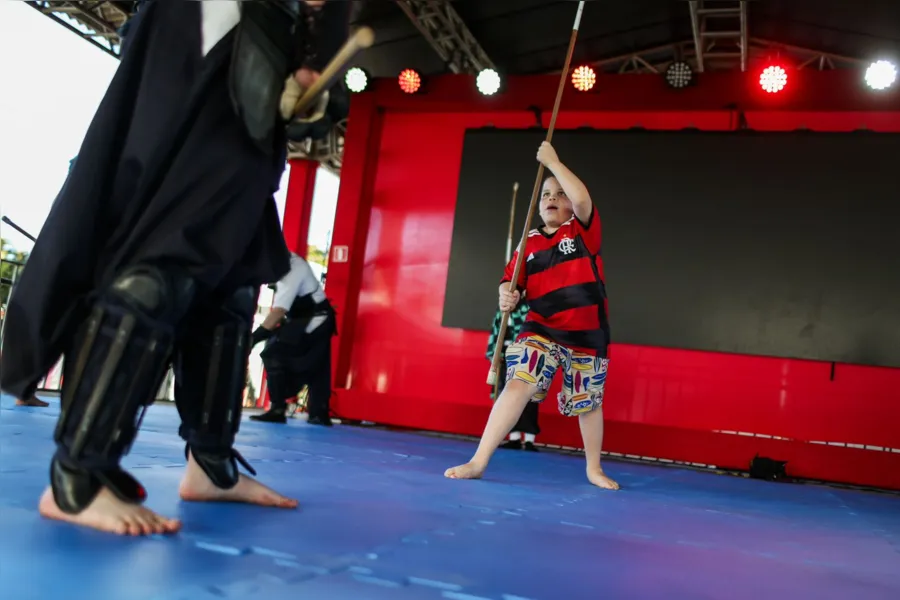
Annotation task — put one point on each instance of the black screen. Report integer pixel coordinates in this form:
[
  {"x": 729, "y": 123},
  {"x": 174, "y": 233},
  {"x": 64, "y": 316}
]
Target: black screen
[{"x": 774, "y": 244}]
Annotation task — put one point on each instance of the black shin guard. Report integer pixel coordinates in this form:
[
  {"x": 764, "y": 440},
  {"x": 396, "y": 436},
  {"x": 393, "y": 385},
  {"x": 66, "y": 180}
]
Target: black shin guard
[
  {"x": 210, "y": 372},
  {"x": 112, "y": 373}
]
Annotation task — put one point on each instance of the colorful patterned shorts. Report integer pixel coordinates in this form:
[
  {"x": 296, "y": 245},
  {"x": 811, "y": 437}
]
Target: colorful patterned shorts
[{"x": 535, "y": 360}]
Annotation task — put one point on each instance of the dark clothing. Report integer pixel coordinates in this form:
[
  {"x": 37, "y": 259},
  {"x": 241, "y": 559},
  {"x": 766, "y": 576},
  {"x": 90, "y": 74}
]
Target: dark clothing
[
  {"x": 155, "y": 248},
  {"x": 167, "y": 174},
  {"x": 294, "y": 358},
  {"x": 139, "y": 194}
]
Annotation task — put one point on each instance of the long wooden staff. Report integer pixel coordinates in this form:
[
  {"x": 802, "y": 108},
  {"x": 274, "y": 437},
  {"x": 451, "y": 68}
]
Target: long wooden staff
[
  {"x": 509, "y": 243},
  {"x": 512, "y": 224},
  {"x": 520, "y": 258}
]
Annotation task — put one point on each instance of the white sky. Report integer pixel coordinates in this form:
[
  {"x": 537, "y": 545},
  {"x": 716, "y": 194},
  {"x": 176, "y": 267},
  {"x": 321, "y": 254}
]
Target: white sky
[{"x": 52, "y": 82}]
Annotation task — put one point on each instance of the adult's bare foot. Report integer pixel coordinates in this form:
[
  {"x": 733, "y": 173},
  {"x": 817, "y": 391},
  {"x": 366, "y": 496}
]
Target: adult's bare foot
[
  {"x": 596, "y": 476},
  {"x": 33, "y": 401},
  {"x": 108, "y": 513},
  {"x": 196, "y": 487},
  {"x": 470, "y": 470}
]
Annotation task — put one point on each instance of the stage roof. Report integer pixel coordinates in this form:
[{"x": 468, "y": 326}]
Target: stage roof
[
  {"x": 530, "y": 36},
  {"x": 520, "y": 37}
]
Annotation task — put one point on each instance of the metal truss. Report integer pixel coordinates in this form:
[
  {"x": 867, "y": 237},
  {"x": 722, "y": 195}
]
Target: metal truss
[
  {"x": 97, "y": 21},
  {"x": 328, "y": 152},
  {"x": 720, "y": 31},
  {"x": 657, "y": 58},
  {"x": 441, "y": 25}
]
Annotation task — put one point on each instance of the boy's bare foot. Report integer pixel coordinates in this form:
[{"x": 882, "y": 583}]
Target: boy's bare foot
[
  {"x": 33, "y": 401},
  {"x": 108, "y": 513},
  {"x": 596, "y": 476},
  {"x": 196, "y": 487},
  {"x": 470, "y": 470}
]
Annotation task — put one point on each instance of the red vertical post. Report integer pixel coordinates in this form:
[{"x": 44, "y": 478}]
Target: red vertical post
[
  {"x": 295, "y": 224},
  {"x": 298, "y": 204},
  {"x": 351, "y": 227}
]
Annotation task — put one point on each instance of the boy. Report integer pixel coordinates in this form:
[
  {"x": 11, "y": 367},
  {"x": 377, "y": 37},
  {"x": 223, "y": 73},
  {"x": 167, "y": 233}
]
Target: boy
[{"x": 567, "y": 326}]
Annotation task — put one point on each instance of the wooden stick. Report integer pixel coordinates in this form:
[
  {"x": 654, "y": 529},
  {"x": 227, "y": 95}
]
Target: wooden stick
[
  {"x": 538, "y": 181},
  {"x": 512, "y": 224},
  {"x": 509, "y": 234},
  {"x": 25, "y": 233},
  {"x": 361, "y": 39},
  {"x": 509, "y": 241}
]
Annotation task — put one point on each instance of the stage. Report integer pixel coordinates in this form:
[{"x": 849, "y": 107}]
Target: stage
[{"x": 378, "y": 521}]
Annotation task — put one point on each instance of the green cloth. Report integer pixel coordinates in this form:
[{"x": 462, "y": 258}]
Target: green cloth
[{"x": 513, "y": 327}]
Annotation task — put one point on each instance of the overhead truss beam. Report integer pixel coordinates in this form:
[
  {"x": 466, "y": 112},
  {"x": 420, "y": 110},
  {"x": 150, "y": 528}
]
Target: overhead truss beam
[
  {"x": 441, "y": 25},
  {"x": 329, "y": 152},
  {"x": 97, "y": 21},
  {"x": 655, "y": 59},
  {"x": 719, "y": 29}
]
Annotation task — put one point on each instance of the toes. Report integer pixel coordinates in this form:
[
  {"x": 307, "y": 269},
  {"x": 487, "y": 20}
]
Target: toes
[
  {"x": 133, "y": 527},
  {"x": 148, "y": 523},
  {"x": 280, "y": 501},
  {"x": 157, "y": 525}
]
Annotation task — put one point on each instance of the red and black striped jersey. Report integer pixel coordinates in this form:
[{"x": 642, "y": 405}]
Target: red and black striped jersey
[{"x": 562, "y": 279}]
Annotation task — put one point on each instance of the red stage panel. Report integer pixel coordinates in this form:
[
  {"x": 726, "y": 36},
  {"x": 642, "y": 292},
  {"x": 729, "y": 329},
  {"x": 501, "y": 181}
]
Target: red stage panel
[{"x": 397, "y": 365}]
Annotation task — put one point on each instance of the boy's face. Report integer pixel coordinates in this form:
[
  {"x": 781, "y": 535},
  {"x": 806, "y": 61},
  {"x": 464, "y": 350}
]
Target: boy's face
[{"x": 556, "y": 208}]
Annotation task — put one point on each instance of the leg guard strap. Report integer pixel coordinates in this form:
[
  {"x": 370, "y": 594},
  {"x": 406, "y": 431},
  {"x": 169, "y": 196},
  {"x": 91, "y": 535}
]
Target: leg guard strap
[
  {"x": 221, "y": 467},
  {"x": 75, "y": 488},
  {"x": 210, "y": 374}
]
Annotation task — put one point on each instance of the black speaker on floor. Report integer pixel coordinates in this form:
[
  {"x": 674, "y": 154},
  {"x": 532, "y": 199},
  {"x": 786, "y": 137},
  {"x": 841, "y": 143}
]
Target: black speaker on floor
[{"x": 768, "y": 469}]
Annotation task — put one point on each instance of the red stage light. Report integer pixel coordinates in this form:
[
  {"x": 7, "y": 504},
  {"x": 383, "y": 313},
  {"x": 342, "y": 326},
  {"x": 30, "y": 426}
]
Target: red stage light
[
  {"x": 410, "y": 81},
  {"x": 584, "y": 78},
  {"x": 773, "y": 79}
]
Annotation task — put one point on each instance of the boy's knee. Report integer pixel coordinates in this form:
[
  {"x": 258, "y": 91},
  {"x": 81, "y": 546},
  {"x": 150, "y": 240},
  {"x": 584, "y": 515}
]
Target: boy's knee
[
  {"x": 580, "y": 404},
  {"x": 519, "y": 390}
]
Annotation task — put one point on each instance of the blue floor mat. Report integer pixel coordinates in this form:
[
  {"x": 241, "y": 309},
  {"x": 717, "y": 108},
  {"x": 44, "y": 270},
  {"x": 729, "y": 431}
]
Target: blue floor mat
[{"x": 379, "y": 521}]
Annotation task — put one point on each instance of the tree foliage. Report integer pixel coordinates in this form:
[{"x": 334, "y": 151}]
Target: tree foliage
[
  {"x": 314, "y": 254},
  {"x": 10, "y": 265}
]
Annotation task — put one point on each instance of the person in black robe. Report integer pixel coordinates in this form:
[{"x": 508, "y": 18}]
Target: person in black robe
[
  {"x": 298, "y": 332},
  {"x": 153, "y": 253}
]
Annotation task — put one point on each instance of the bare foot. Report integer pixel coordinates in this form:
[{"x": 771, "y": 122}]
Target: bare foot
[
  {"x": 33, "y": 401},
  {"x": 196, "y": 487},
  {"x": 470, "y": 470},
  {"x": 598, "y": 477},
  {"x": 108, "y": 513}
]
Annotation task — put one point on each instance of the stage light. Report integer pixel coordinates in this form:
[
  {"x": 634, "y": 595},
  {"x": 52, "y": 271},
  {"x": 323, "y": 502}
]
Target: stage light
[
  {"x": 488, "y": 82},
  {"x": 679, "y": 75},
  {"x": 773, "y": 79},
  {"x": 584, "y": 78},
  {"x": 410, "y": 81},
  {"x": 356, "y": 79},
  {"x": 881, "y": 75}
]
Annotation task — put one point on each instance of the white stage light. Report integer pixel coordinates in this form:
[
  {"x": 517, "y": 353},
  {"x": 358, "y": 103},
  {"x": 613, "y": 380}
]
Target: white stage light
[
  {"x": 488, "y": 82},
  {"x": 356, "y": 80},
  {"x": 881, "y": 75}
]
